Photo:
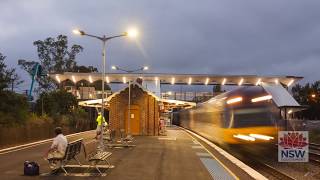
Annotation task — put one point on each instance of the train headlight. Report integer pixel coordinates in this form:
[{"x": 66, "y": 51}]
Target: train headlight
[
  {"x": 234, "y": 100},
  {"x": 260, "y": 136},
  {"x": 244, "y": 137}
]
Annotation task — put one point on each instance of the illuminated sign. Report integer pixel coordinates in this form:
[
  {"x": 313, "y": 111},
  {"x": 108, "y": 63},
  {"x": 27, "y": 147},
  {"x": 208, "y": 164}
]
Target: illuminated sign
[{"x": 293, "y": 146}]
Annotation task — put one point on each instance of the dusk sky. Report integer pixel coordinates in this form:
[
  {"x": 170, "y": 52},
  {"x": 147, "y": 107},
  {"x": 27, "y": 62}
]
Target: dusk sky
[{"x": 271, "y": 37}]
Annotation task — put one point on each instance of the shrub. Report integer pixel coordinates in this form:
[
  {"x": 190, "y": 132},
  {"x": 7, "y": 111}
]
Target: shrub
[{"x": 13, "y": 108}]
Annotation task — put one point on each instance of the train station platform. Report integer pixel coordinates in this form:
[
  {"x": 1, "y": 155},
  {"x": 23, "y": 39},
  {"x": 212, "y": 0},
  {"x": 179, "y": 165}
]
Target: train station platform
[
  {"x": 174, "y": 156},
  {"x": 178, "y": 155}
]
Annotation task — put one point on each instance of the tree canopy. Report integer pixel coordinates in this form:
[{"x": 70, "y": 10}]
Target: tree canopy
[
  {"x": 54, "y": 103},
  {"x": 308, "y": 95},
  {"x": 7, "y": 76},
  {"x": 55, "y": 57}
]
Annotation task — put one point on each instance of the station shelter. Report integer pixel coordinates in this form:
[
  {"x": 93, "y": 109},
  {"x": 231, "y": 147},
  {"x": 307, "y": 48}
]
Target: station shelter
[{"x": 144, "y": 111}]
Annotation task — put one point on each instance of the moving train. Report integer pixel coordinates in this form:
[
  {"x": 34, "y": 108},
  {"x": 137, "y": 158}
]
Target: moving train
[{"x": 241, "y": 116}]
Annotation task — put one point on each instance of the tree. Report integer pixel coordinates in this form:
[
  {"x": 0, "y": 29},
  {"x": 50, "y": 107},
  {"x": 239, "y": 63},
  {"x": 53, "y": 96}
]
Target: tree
[
  {"x": 308, "y": 95},
  {"x": 8, "y": 77},
  {"x": 54, "y": 103},
  {"x": 55, "y": 57}
]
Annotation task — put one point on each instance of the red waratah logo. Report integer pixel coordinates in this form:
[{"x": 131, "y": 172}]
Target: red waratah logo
[{"x": 293, "y": 140}]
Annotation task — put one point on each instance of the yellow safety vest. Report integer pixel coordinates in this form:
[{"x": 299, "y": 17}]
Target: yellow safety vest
[{"x": 99, "y": 118}]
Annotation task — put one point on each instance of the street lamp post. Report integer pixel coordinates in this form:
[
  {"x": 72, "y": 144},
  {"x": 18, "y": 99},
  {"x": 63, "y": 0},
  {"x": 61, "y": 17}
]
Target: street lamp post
[
  {"x": 129, "y": 83},
  {"x": 104, "y": 39}
]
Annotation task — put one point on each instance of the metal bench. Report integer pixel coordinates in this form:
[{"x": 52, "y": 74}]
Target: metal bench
[
  {"x": 94, "y": 157},
  {"x": 125, "y": 138},
  {"x": 123, "y": 142},
  {"x": 72, "y": 150}
]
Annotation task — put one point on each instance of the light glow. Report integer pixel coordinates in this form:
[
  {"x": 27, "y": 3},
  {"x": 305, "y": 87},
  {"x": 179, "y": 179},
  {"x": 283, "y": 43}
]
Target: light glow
[
  {"x": 234, "y": 100},
  {"x": 289, "y": 84},
  {"x": 107, "y": 79},
  {"x": 58, "y": 78},
  {"x": 224, "y": 81},
  {"x": 258, "y": 82},
  {"x": 169, "y": 93},
  {"x": 262, "y": 98},
  {"x": 114, "y": 67},
  {"x": 207, "y": 81},
  {"x": 260, "y": 136},
  {"x": 313, "y": 95},
  {"x": 276, "y": 81},
  {"x": 173, "y": 80},
  {"x": 240, "y": 82},
  {"x": 156, "y": 80},
  {"x": 76, "y": 31},
  {"x": 244, "y": 137},
  {"x": 290, "y": 111},
  {"x": 124, "y": 79},
  {"x": 132, "y": 33},
  {"x": 145, "y": 68},
  {"x": 190, "y": 81},
  {"x": 73, "y": 79},
  {"x": 90, "y": 79}
]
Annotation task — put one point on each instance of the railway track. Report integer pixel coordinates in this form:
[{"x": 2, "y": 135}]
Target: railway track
[
  {"x": 265, "y": 169},
  {"x": 314, "y": 156},
  {"x": 270, "y": 172}
]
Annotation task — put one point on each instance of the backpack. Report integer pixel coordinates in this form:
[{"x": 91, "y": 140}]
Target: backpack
[{"x": 31, "y": 168}]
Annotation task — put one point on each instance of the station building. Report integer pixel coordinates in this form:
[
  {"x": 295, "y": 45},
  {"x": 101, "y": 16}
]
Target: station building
[{"x": 144, "y": 111}]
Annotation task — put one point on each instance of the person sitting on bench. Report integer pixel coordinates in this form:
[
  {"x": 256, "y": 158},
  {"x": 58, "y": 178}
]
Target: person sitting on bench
[{"x": 57, "y": 149}]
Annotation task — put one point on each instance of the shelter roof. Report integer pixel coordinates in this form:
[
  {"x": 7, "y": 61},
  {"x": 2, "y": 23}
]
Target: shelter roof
[{"x": 165, "y": 78}]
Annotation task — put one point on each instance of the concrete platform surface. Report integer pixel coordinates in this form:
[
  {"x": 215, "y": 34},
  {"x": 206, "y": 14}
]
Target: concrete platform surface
[{"x": 175, "y": 156}]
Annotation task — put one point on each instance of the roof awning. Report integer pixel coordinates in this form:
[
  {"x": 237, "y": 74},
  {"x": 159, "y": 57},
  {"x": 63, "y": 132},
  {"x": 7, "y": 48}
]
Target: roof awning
[
  {"x": 163, "y": 78},
  {"x": 280, "y": 95},
  {"x": 98, "y": 102}
]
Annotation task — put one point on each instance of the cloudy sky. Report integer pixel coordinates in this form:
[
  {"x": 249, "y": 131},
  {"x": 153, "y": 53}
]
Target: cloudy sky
[{"x": 271, "y": 37}]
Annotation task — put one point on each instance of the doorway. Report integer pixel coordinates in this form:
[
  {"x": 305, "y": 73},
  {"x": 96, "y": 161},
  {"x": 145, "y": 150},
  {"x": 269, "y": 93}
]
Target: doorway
[{"x": 134, "y": 120}]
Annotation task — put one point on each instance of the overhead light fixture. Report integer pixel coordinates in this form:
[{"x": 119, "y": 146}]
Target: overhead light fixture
[
  {"x": 173, "y": 80},
  {"x": 78, "y": 32},
  {"x": 234, "y": 100},
  {"x": 224, "y": 81},
  {"x": 156, "y": 80},
  {"x": 289, "y": 84},
  {"x": 90, "y": 79},
  {"x": 240, "y": 82},
  {"x": 290, "y": 111},
  {"x": 258, "y": 82},
  {"x": 132, "y": 33},
  {"x": 73, "y": 79},
  {"x": 207, "y": 81},
  {"x": 313, "y": 95},
  {"x": 58, "y": 78},
  {"x": 190, "y": 80},
  {"x": 262, "y": 98}
]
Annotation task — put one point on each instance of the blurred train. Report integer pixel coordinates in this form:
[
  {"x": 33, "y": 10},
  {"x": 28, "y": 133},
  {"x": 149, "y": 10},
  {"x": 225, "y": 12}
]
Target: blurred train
[{"x": 241, "y": 116}]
